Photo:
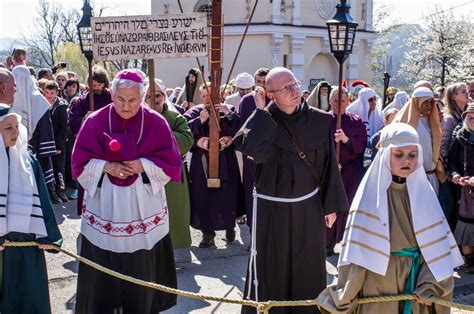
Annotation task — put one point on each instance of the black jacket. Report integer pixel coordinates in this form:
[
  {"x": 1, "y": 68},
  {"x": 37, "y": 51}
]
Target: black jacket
[{"x": 59, "y": 118}]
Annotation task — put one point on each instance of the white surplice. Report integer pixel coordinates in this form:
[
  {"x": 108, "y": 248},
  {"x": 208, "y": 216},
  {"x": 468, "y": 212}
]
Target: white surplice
[{"x": 124, "y": 219}]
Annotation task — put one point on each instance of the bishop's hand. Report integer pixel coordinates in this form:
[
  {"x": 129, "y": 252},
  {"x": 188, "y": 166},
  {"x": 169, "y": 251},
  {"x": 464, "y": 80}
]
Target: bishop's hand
[
  {"x": 117, "y": 169},
  {"x": 135, "y": 166}
]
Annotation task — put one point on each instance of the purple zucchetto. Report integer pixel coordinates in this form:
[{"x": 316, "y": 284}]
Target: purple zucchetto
[{"x": 131, "y": 75}]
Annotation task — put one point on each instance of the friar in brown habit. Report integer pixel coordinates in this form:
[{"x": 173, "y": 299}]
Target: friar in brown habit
[{"x": 298, "y": 192}]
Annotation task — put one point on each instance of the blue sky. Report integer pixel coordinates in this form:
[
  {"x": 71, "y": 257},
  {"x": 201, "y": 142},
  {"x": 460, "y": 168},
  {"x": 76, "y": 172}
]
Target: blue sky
[{"x": 14, "y": 23}]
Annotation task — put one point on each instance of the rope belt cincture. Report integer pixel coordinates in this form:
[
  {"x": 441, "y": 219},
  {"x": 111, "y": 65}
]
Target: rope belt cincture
[
  {"x": 253, "y": 250},
  {"x": 414, "y": 253}
]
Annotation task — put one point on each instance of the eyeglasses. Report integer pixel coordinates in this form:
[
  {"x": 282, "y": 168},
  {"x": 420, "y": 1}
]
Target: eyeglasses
[
  {"x": 372, "y": 99},
  {"x": 288, "y": 88}
]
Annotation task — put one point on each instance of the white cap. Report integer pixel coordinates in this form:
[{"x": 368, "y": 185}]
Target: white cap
[{"x": 244, "y": 80}]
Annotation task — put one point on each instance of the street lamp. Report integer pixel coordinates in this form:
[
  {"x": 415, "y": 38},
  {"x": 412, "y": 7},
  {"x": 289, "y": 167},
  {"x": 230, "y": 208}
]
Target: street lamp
[
  {"x": 341, "y": 29},
  {"x": 85, "y": 40}
]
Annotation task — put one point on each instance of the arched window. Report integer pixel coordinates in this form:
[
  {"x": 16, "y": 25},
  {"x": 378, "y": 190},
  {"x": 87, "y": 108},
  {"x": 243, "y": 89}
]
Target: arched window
[{"x": 204, "y": 6}]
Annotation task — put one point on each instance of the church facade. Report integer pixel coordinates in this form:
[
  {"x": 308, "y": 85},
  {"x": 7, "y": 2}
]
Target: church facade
[{"x": 289, "y": 33}]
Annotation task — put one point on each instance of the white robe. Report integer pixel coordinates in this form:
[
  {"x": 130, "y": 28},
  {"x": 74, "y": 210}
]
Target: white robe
[
  {"x": 426, "y": 141},
  {"x": 124, "y": 219}
]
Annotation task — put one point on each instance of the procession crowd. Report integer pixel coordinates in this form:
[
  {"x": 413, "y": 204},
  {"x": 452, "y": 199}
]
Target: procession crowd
[{"x": 139, "y": 173}]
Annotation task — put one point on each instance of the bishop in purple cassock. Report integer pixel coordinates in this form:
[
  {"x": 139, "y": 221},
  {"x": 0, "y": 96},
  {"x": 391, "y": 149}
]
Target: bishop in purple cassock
[{"x": 124, "y": 155}]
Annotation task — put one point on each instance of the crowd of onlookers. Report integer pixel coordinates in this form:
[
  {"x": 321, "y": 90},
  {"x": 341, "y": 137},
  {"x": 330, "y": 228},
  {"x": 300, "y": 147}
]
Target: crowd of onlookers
[{"x": 442, "y": 116}]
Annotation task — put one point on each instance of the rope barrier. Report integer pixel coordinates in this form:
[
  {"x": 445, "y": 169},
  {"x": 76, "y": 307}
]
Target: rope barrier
[{"x": 262, "y": 307}]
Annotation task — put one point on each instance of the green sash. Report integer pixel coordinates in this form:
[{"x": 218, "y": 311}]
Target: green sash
[{"x": 414, "y": 253}]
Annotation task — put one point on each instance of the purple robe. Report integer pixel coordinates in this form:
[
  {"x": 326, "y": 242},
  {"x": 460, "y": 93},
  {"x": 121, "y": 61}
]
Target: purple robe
[
  {"x": 80, "y": 109},
  {"x": 157, "y": 143},
  {"x": 247, "y": 107},
  {"x": 214, "y": 208},
  {"x": 350, "y": 160}
]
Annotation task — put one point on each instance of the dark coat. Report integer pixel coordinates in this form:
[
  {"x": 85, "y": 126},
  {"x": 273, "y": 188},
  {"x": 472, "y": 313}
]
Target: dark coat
[{"x": 290, "y": 237}]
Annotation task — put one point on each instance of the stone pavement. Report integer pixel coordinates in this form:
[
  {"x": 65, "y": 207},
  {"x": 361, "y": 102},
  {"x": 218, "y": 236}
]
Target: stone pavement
[{"x": 219, "y": 272}]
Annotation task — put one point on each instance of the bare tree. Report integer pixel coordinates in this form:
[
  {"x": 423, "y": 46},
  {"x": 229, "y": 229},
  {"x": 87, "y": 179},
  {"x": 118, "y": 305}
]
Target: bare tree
[
  {"x": 439, "y": 53},
  {"x": 54, "y": 27}
]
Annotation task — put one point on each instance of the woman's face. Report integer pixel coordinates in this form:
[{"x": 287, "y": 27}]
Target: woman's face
[
  {"x": 61, "y": 80},
  {"x": 72, "y": 90},
  {"x": 10, "y": 130},
  {"x": 426, "y": 106},
  {"x": 469, "y": 118},
  {"x": 461, "y": 96},
  {"x": 403, "y": 160}
]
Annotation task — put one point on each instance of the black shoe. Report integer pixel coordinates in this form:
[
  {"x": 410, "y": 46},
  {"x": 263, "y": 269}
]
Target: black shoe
[
  {"x": 55, "y": 199},
  {"x": 329, "y": 251},
  {"x": 207, "y": 243},
  {"x": 230, "y": 235},
  {"x": 62, "y": 196}
]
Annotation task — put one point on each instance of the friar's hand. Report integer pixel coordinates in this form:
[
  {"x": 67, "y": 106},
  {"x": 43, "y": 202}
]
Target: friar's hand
[
  {"x": 117, "y": 169},
  {"x": 330, "y": 219},
  {"x": 259, "y": 97},
  {"x": 135, "y": 166}
]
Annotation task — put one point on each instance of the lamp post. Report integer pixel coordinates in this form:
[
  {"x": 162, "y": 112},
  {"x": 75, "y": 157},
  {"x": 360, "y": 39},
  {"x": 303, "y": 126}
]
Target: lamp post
[
  {"x": 341, "y": 29},
  {"x": 85, "y": 40}
]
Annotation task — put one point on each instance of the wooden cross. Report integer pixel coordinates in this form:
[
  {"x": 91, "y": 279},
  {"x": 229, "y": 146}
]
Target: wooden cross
[{"x": 213, "y": 180}]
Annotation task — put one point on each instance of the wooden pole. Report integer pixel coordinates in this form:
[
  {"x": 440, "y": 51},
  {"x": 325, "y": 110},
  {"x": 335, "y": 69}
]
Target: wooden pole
[
  {"x": 213, "y": 180},
  {"x": 386, "y": 83},
  {"x": 339, "y": 111},
  {"x": 91, "y": 87},
  {"x": 151, "y": 81}
]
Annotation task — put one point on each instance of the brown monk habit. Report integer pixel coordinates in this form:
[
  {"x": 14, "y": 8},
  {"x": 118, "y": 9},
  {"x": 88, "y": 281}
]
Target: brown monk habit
[{"x": 290, "y": 237}]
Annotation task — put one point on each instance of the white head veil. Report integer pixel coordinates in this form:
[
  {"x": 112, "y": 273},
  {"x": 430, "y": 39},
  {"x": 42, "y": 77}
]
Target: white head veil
[
  {"x": 360, "y": 107},
  {"x": 366, "y": 241},
  {"x": 29, "y": 103},
  {"x": 20, "y": 206},
  {"x": 400, "y": 99}
]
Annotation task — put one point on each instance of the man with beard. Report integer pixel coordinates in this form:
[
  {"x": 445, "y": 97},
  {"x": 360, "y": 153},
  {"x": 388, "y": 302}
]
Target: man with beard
[
  {"x": 298, "y": 191},
  {"x": 319, "y": 97},
  {"x": 245, "y": 84},
  {"x": 102, "y": 97},
  {"x": 190, "y": 94}
]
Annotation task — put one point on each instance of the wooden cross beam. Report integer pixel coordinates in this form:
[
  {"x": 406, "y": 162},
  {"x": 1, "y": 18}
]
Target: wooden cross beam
[{"x": 213, "y": 180}]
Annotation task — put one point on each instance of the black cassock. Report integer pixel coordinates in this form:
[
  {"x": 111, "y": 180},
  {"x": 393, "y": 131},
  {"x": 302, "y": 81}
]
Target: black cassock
[{"x": 290, "y": 237}]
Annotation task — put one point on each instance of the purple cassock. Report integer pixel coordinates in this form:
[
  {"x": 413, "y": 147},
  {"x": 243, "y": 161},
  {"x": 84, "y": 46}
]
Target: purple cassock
[
  {"x": 214, "y": 208},
  {"x": 155, "y": 143},
  {"x": 247, "y": 107},
  {"x": 80, "y": 109},
  {"x": 351, "y": 163}
]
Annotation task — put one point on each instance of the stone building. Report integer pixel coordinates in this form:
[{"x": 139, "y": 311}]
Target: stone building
[{"x": 289, "y": 33}]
